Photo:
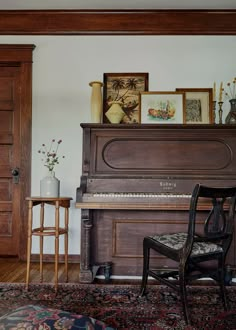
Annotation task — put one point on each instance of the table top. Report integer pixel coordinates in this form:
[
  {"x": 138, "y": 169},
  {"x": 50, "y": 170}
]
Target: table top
[{"x": 51, "y": 199}]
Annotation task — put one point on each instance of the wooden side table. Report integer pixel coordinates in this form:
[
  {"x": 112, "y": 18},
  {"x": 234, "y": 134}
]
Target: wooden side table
[{"x": 44, "y": 231}]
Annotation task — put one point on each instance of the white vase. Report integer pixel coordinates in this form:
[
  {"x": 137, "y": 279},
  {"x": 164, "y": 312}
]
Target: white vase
[
  {"x": 115, "y": 113},
  {"x": 96, "y": 101},
  {"x": 50, "y": 186}
]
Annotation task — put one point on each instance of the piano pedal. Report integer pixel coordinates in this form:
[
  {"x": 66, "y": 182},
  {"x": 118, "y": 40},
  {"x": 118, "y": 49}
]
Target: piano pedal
[{"x": 107, "y": 270}]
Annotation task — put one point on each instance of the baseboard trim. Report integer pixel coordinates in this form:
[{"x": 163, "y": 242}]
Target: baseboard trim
[{"x": 119, "y": 277}]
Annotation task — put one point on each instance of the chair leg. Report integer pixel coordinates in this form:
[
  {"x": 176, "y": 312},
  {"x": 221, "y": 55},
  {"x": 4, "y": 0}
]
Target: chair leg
[
  {"x": 146, "y": 256},
  {"x": 221, "y": 270},
  {"x": 183, "y": 293}
]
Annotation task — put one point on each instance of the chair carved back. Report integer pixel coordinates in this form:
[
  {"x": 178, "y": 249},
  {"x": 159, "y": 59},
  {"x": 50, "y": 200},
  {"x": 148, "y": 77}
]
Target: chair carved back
[{"x": 219, "y": 222}]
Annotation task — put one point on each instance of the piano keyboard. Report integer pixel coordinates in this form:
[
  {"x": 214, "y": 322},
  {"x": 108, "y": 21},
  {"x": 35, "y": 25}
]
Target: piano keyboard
[
  {"x": 139, "y": 195},
  {"x": 112, "y": 197},
  {"x": 134, "y": 201}
]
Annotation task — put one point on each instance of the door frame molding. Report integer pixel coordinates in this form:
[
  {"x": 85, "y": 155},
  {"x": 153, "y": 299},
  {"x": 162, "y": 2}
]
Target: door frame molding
[{"x": 118, "y": 22}]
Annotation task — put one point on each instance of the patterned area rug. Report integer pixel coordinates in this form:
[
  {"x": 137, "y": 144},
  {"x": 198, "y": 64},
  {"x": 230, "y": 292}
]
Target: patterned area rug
[{"x": 120, "y": 306}]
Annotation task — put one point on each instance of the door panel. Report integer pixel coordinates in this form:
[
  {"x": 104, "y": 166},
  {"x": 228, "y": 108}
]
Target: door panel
[
  {"x": 9, "y": 158},
  {"x": 15, "y": 146}
]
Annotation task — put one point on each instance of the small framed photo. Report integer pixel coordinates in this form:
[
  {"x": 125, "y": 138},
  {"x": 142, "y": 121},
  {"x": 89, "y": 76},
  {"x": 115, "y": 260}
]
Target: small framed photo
[
  {"x": 198, "y": 105},
  {"x": 124, "y": 88},
  {"x": 162, "y": 107}
]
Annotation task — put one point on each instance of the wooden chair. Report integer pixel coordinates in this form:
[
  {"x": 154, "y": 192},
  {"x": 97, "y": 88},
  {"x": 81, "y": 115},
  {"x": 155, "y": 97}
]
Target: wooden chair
[{"x": 198, "y": 255}]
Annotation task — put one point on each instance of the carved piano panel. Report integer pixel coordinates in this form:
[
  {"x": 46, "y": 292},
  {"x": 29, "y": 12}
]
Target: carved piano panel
[
  {"x": 138, "y": 179},
  {"x": 123, "y": 232},
  {"x": 161, "y": 156}
]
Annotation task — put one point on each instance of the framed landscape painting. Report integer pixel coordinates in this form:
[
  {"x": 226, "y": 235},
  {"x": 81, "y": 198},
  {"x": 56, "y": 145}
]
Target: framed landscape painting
[
  {"x": 124, "y": 88},
  {"x": 198, "y": 105},
  {"x": 162, "y": 107}
]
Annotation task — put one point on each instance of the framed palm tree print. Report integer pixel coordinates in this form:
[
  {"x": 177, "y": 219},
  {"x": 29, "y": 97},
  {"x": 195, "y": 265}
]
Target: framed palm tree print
[{"x": 124, "y": 88}]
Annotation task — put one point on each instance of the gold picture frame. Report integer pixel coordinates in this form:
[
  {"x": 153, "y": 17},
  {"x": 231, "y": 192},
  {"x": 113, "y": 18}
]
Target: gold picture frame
[
  {"x": 198, "y": 105},
  {"x": 162, "y": 107},
  {"x": 124, "y": 88}
]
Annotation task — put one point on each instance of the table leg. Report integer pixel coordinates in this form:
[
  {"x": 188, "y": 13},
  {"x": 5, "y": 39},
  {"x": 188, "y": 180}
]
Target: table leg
[
  {"x": 41, "y": 241},
  {"x": 57, "y": 223},
  {"x": 66, "y": 242},
  {"x": 29, "y": 242}
]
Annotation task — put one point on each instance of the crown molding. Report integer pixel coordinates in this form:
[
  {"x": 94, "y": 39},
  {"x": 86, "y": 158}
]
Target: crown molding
[{"x": 117, "y": 22}]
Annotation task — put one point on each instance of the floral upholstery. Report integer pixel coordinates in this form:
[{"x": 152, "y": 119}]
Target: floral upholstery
[
  {"x": 176, "y": 241},
  {"x": 41, "y": 318}
]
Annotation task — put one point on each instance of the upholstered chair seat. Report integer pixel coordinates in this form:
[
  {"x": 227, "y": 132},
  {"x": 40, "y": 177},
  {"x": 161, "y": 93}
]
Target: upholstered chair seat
[{"x": 176, "y": 241}]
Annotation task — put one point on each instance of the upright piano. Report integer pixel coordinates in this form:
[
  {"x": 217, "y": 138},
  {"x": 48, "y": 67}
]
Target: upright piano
[{"x": 137, "y": 180}]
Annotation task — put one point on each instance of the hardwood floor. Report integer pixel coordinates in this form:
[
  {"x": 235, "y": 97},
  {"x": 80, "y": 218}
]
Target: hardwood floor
[{"x": 13, "y": 271}]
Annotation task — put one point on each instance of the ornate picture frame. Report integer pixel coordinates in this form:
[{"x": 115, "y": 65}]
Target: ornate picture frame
[
  {"x": 198, "y": 105},
  {"x": 124, "y": 88},
  {"x": 162, "y": 107}
]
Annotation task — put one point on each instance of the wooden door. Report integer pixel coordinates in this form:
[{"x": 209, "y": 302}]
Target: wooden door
[{"x": 15, "y": 146}]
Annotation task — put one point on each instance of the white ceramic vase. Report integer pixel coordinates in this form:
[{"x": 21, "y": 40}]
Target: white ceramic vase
[
  {"x": 96, "y": 101},
  {"x": 50, "y": 186}
]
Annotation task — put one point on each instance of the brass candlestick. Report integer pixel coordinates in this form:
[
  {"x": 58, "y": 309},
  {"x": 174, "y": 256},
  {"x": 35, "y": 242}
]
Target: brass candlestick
[
  {"x": 220, "y": 111},
  {"x": 214, "y": 112}
]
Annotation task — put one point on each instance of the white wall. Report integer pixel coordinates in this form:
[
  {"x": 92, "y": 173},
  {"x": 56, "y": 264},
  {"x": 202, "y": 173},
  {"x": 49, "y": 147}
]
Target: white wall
[{"x": 64, "y": 66}]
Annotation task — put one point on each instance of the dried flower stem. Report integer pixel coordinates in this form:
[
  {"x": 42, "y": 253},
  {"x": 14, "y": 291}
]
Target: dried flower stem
[
  {"x": 50, "y": 157},
  {"x": 232, "y": 90},
  {"x": 234, "y": 82}
]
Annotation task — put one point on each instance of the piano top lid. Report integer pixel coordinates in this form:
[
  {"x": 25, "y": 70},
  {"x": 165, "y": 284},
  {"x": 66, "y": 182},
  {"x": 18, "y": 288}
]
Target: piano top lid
[
  {"x": 159, "y": 126},
  {"x": 152, "y": 150}
]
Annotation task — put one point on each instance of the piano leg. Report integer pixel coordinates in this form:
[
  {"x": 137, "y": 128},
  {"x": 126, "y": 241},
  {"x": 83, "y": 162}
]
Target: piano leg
[
  {"x": 86, "y": 274},
  {"x": 87, "y": 271}
]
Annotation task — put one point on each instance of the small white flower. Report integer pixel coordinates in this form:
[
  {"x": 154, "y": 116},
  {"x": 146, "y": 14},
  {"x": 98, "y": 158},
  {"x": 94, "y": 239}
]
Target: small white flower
[{"x": 231, "y": 89}]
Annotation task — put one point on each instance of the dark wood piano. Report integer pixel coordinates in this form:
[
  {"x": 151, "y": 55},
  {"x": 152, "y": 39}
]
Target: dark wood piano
[{"x": 137, "y": 180}]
